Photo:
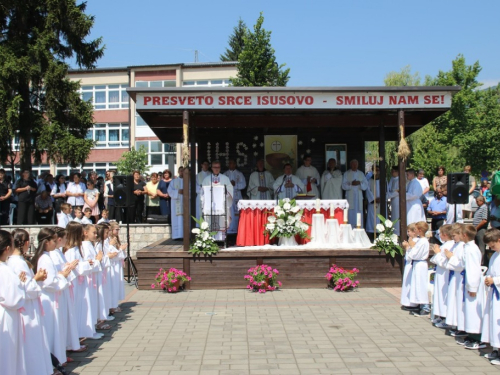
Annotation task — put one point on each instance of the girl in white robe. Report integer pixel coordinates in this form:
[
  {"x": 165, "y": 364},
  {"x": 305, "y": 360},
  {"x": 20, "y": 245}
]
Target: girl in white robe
[
  {"x": 419, "y": 278},
  {"x": 72, "y": 252},
  {"x": 35, "y": 344},
  {"x": 407, "y": 274},
  {"x": 12, "y": 299},
  {"x": 101, "y": 245},
  {"x": 454, "y": 306},
  {"x": 442, "y": 274},
  {"x": 117, "y": 264},
  {"x": 94, "y": 280},
  {"x": 67, "y": 300},
  {"x": 490, "y": 331},
  {"x": 52, "y": 288}
]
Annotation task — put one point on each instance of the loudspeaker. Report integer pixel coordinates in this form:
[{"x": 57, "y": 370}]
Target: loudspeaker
[
  {"x": 123, "y": 190},
  {"x": 458, "y": 188}
]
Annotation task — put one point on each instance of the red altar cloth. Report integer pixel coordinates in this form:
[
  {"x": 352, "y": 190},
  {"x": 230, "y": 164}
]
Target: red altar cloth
[{"x": 252, "y": 222}]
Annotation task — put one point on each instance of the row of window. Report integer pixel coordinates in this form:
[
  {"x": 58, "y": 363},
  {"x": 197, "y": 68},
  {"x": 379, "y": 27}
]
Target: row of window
[
  {"x": 110, "y": 135},
  {"x": 158, "y": 153},
  {"x": 106, "y": 96}
]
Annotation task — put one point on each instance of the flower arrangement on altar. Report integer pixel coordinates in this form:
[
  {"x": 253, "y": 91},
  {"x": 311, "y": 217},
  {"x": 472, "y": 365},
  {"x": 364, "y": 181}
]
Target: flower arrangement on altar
[
  {"x": 263, "y": 279},
  {"x": 286, "y": 221},
  {"x": 203, "y": 242},
  {"x": 387, "y": 241},
  {"x": 341, "y": 279},
  {"x": 172, "y": 280}
]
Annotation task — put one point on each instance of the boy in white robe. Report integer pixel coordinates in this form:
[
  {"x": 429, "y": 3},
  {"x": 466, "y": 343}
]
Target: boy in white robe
[
  {"x": 418, "y": 255},
  {"x": 490, "y": 331},
  {"x": 331, "y": 181},
  {"x": 454, "y": 305},
  {"x": 407, "y": 275},
  {"x": 442, "y": 274},
  {"x": 473, "y": 294},
  {"x": 199, "y": 183}
]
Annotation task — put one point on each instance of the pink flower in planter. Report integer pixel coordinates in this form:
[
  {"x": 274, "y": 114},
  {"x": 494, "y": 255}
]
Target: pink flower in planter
[{"x": 153, "y": 286}]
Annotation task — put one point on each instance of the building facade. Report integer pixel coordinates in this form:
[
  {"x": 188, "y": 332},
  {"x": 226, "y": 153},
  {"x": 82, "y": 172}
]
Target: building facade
[{"x": 117, "y": 126}]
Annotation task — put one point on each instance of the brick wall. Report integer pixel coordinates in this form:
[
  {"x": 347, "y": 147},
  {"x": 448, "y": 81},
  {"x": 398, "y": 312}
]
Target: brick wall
[{"x": 141, "y": 235}]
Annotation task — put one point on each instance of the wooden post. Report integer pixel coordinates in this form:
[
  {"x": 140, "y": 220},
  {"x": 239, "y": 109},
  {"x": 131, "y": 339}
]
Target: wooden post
[
  {"x": 402, "y": 178},
  {"x": 185, "y": 189},
  {"x": 194, "y": 169},
  {"x": 383, "y": 172}
]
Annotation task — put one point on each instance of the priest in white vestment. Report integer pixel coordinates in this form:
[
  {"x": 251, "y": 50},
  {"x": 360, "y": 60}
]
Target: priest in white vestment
[
  {"x": 415, "y": 210},
  {"x": 288, "y": 185},
  {"x": 354, "y": 183},
  {"x": 373, "y": 198},
  {"x": 393, "y": 195},
  {"x": 331, "y": 181},
  {"x": 260, "y": 184},
  {"x": 239, "y": 183},
  {"x": 216, "y": 179},
  {"x": 199, "y": 183},
  {"x": 175, "y": 192},
  {"x": 309, "y": 176}
]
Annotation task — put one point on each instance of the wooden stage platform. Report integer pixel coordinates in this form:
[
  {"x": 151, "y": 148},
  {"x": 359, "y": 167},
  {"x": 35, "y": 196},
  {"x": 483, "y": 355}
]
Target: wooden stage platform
[{"x": 301, "y": 268}]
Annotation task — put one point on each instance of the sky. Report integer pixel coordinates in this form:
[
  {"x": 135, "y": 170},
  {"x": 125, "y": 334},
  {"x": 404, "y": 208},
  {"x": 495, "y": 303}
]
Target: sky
[{"x": 323, "y": 42}]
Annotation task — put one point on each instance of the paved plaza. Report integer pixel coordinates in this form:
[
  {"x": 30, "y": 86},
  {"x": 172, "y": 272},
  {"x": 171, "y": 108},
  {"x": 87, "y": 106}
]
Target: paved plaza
[{"x": 307, "y": 331}]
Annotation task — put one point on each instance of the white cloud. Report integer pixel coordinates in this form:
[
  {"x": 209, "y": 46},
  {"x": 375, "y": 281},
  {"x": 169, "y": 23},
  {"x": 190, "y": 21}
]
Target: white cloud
[{"x": 489, "y": 82}]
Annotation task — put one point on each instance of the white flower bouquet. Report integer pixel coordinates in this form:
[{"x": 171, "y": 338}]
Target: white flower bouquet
[
  {"x": 387, "y": 240},
  {"x": 286, "y": 220},
  {"x": 204, "y": 242}
]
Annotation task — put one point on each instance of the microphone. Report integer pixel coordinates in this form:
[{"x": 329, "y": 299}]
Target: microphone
[{"x": 278, "y": 189}]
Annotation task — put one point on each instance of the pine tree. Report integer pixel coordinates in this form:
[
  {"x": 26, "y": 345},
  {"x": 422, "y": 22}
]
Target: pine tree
[
  {"x": 257, "y": 64},
  {"x": 236, "y": 42},
  {"x": 39, "y": 105}
]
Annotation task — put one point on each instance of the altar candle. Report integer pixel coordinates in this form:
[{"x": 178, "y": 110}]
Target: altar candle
[
  {"x": 318, "y": 205},
  {"x": 358, "y": 220},
  {"x": 345, "y": 215},
  {"x": 331, "y": 210}
]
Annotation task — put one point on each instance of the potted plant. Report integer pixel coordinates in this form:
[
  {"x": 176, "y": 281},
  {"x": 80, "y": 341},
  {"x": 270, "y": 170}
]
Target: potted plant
[
  {"x": 262, "y": 278},
  {"x": 204, "y": 242},
  {"x": 342, "y": 280},
  {"x": 387, "y": 241},
  {"x": 286, "y": 222},
  {"x": 171, "y": 281}
]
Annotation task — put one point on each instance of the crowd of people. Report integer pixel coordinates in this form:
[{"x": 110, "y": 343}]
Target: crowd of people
[
  {"x": 30, "y": 201},
  {"x": 58, "y": 296},
  {"x": 466, "y": 299}
]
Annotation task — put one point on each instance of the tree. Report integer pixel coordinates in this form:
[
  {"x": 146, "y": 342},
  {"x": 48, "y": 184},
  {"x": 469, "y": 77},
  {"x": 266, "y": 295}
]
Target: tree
[
  {"x": 133, "y": 160},
  {"x": 257, "y": 64},
  {"x": 39, "y": 105},
  {"x": 236, "y": 42}
]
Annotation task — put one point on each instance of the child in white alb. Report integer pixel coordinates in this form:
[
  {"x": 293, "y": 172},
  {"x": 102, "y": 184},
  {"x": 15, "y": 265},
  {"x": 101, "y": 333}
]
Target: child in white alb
[
  {"x": 473, "y": 296},
  {"x": 442, "y": 274},
  {"x": 490, "y": 331},
  {"x": 87, "y": 212},
  {"x": 104, "y": 217},
  {"x": 407, "y": 274},
  {"x": 64, "y": 217}
]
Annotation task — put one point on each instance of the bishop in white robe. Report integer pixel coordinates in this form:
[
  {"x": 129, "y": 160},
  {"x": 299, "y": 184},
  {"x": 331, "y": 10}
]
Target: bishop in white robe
[
  {"x": 239, "y": 183},
  {"x": 260, "y": 184},
  {"x": 354, "y": 183},
  {"x": 288, "y": 185},
  {"x": 199, "y": 183},
  {"x": 309, "y": 176},
  {"x": 415, "y": 210},
  {"x": 331, "y": 181},
  {"x": 217, "y": 222},
  {"x": 175, "y": 192}
]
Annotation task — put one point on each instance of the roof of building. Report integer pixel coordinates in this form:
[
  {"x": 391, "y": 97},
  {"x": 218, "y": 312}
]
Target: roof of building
[{"x": 125, "y": 68}]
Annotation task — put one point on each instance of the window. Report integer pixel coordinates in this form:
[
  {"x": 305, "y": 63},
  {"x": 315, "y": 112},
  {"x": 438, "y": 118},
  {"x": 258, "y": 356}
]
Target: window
[
  {"x": 162, "y": 83},
  {"x": 208, "y": 83},
  {"x": 106, "y": 96},
  {"x": 110, "y": 135},
  {"x": 157, "y": 152}
]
